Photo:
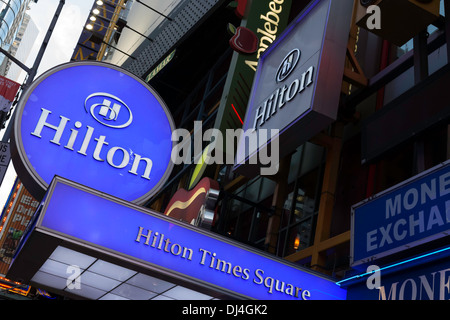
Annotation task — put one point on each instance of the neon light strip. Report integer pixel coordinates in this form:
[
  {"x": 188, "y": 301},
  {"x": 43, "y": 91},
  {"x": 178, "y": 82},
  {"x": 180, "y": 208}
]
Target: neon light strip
[
  {"x": 393, "y": 265},
  {"x": 242, "y": 122}
]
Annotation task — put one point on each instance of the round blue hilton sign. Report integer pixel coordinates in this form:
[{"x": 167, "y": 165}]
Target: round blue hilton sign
[{"x": 95, "y": 124}]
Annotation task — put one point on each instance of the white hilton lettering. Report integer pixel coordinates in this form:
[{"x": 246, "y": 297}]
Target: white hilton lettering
[
  {"x": 281, "y": 97},
  {"x": 101, "y": 142}
]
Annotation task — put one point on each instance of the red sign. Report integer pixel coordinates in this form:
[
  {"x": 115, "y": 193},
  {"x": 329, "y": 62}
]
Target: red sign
[
  {"x": 240, "y": 9},
  {"x": 8, "y": 90}
]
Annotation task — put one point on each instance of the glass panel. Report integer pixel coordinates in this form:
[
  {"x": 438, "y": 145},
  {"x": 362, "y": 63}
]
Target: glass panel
[
  {"x": 295, "y": 162},
  {"x": 56, "y": 268},
  {"x": 430, "y": 29},
  {"x": 15, "y": 5},
  {"x": 112, "y": 271},
  {"x": 301, "y": 236},
  {"x": 71, "y": 257},
  {"x": 182, "y": 293},
  {"x": 312, "y": 158},
  {"x": 134, "y": 293},
  {"x": 98, "y": 281},
  {"x": 87, "y": 292},
  {"x": 252, "y": 190},
  {"x": 298, "y": 237},
  {"x": 299, "y": 209},
  {"x": 110, "y": 296},
  {"x": 266, "y": 189},
  {"x": 49, "y": 280},
  {"x": 150, "y": 283},
  {"x": 162, "y": 297}
]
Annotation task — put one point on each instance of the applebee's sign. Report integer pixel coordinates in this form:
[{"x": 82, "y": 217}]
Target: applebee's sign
[
  {"x": 244, "y": 40},
  {"x": 95, "y": 124}
]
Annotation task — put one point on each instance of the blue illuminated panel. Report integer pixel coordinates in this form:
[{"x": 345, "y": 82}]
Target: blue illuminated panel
[
  {"x": 425, "y": 277},
  {"x": 181, "y": 249},
  {"x": 95, "y": 124}
]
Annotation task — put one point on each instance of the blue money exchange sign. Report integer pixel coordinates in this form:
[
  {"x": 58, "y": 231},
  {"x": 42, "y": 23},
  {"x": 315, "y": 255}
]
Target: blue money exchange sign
[
  {"x": 95, "y": 124},
  {"x": 409, "y": 214}
]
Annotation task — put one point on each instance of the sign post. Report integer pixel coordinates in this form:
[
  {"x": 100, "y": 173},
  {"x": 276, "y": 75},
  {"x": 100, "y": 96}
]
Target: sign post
[{"x": 5, "y": 157}]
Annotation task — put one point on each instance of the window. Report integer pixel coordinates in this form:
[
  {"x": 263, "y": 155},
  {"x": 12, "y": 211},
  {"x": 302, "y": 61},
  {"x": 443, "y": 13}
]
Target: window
[
  {"x": 302, "y": 203},
  {"x": 244, "y": 214},
  {"x": 431, "y": 29}
]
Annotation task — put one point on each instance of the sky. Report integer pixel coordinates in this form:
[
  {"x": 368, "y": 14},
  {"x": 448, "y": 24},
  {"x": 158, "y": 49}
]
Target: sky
[
  {"x": 66, "y": 33},
  {"x": 59, "y": 50}
]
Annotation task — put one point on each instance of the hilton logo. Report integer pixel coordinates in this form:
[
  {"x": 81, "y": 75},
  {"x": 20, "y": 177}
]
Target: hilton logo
[
  {"x": 106, "y": 114},
  {"x": 288, "y": 65},
  {"x": 116, "y": 157},
  {"x": 285, "y": 93}
]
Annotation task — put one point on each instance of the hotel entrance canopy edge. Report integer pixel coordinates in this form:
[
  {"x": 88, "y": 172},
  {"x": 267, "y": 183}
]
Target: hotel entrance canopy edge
[{"x": 85, "y": 244}]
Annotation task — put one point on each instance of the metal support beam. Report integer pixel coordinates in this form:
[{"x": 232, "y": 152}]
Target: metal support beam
[
  {"x": 420, "y": 73},
  {"x": 108, "y": 45},
  {"x": 447, "y": 28},
  {"x": 354, "y": 74},
  {"x": 125, "y": 26},
  {"x": 33, "y": 70},
  {"x": 41, "y": 52},
  {"x": 279, "y": 197},
  {"x": 13, "y": 59},
  {"x": 420, "y": 57},
  {"x": 161, "y": 14},
  {"x": 327, "y": 198},
  {"x": 139, "y": 33},
  {"x": 448, "y": 141}
]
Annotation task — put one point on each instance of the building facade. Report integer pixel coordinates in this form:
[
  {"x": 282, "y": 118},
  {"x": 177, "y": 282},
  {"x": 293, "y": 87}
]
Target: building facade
[
  {"x": 390, "y": 123},
  {"x": 302, "y": 214},
  {"x": 248, "y": 203},
  {"x": 12, "y": 15},
  {"x": 21, "y": 47}
]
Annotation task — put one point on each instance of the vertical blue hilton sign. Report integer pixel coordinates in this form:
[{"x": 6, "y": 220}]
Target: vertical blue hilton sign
[{"x": 96, "y": 125}]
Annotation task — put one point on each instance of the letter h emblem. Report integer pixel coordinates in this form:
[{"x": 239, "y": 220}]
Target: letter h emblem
[{"x": 113, "y": 112}]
